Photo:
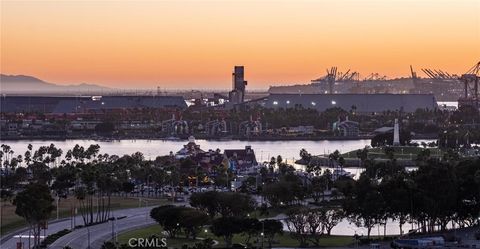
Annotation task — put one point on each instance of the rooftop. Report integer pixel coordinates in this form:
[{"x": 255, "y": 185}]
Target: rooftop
[{"x": 363, "y": 103}]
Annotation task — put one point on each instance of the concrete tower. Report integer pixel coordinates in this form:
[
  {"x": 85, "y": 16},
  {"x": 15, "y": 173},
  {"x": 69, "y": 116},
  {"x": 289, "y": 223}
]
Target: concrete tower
[
  {"x": 237, "y": 94},
  {"x": 396, "y": 134}
]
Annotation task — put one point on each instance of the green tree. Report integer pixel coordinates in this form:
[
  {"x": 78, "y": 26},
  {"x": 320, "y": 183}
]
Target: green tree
[
  {"x": 297, "y": 225},
  {"x": 168, "y": 217},
  {"x": 206, "y": 201},
  {"x": 331, "y": 218},
  {"x": 271, "y": 228},
  {"x": 191, "y": 220},
  {"x": 173, "y": 219},
  {"x": 226, "y": 227},
  {"x": 223, "y": 203},
  {"x": 365, "y": 206},
  {"x": 34, "y": 204},
  {"x": 437, "y": 186}
]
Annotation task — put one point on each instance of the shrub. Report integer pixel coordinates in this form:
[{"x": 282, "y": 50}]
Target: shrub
[{"x": 53, "y": 237}]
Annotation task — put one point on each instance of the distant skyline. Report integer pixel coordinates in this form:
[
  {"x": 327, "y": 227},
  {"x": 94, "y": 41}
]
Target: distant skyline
[{"x": 180, "y": 44}]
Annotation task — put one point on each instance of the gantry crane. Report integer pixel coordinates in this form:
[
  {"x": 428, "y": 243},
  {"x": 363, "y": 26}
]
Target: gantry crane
[{"x": 470, "y": 80}]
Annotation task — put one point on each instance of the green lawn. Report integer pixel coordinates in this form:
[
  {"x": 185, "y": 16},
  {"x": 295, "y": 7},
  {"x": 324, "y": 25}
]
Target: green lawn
[
  {"x": 284, "y": 240},
  {"x": 400, "y": 152},
  {"x": 10, "y": 221},
  {"x": 271, "y": 212},
  {"x": 154, "y": 230}
]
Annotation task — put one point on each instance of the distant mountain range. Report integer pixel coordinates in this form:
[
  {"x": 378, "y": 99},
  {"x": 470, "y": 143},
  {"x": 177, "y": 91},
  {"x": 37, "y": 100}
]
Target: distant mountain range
[{"x": 24, "y": 84}]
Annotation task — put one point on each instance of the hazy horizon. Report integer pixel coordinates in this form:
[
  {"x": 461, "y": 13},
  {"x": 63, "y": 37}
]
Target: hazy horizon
[{"x": 195, "y": 44}]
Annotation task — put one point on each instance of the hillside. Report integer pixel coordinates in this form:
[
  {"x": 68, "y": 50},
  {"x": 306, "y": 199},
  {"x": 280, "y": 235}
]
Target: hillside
[{"x": 24, "y": 84}]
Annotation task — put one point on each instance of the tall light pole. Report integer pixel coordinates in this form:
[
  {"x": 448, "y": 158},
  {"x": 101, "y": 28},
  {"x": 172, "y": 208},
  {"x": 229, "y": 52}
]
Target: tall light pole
[
  {"x": 57, "y": 204},
  {"x": 263, "y": 231},
  {"x": 88, "y": 237},
  {"x": 456, "y": 141},
  {"x": 446, "y": 139},
  {"x": 113, "y": 230}
]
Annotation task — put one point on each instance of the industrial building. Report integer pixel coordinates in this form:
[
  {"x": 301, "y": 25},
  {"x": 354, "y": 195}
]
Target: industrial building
[
  {"x": 360, "y": 103},
  {"x": 237, "y": 95},
  {"x": 346, "y": 128},
  {"x": 84, "y": 104}
]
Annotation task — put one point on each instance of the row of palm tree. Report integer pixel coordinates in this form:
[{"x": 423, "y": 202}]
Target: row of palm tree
[{"x": 92, "y": 177}]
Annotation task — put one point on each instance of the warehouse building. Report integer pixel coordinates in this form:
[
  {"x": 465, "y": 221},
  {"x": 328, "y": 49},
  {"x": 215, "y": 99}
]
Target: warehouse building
[
  {"x": 360, "y": 103},
  {"x": 83, "y": 104}
]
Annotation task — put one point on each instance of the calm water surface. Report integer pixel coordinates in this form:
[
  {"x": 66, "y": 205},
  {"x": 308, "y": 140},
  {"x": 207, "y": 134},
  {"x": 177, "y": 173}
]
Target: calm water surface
[
  {"x": 152, "y": 148},
  {"x": 289, "y": 150}
]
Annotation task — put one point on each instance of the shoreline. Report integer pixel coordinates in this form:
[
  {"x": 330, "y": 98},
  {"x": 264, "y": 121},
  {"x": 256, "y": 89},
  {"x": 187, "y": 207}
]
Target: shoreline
[{"x": 225, "y": 139}]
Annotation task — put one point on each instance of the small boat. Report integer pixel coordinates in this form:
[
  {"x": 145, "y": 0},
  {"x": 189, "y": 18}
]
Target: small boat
[
  {"x": 227, "y": 138},
  {"x": 171, "y": 138},
  {"x": 429, "y": 242},
  {"x": 337, "y": 173}
]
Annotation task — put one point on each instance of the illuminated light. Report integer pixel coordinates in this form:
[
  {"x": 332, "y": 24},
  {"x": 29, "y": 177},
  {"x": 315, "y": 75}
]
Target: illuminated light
[
  {"x": 275, "y": 102},
  {"x": 288, "y": 102},
  {"x": 334, "y": 102},
  {"x": 314, "y": 104}
]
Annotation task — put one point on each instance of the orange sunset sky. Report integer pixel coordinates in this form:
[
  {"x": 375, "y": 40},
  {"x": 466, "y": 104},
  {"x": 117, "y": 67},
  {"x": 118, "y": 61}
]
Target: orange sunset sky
[{"x": 195, "y": 44}]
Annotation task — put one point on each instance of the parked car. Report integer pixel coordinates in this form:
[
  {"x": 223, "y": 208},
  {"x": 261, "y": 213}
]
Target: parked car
[{"x": 179, "y": 199}]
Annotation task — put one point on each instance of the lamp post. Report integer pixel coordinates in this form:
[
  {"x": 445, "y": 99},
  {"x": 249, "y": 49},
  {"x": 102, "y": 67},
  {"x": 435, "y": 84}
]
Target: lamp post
[
  {"x": 113, "y": 229},
  {"x": 446, "y": 139},
  {"x": 355, "y": 235},
  {"x": 88, "y": 237},
  {"x": 456, "y": 143},
  {"x": 57, "y": 204},
  {"x": 263, "y": 231}
]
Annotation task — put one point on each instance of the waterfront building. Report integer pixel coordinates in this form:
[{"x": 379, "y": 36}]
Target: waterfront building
[
  {"x": 240, "y": 159},
  {"x": 88, "y": 104},
  {"x": 360, "y": 103},
  {"x": 346, "y": 128},
  {"x": 191, "y": 149},
  {"x": 301, "y": 130}
]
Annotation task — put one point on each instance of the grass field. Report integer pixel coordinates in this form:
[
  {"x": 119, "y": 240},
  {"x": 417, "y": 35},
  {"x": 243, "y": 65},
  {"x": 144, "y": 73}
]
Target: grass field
[
  {"x": 10, "y": 221},
  {"x": 271, "y": 212},
  {"x": 284, "y": 240},
  {"x": 400, "y": 152}
]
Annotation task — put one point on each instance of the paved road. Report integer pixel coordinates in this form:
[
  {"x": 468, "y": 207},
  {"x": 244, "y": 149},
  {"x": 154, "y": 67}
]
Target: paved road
[
  {"x": 10, "y": 240},
  {"x": 96, "y": 235},
  {"x": 135, "y": 217},
  {"x": 79, "y": 238}
]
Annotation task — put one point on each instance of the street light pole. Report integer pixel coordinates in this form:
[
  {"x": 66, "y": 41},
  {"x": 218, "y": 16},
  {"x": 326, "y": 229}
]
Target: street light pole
[
  {"x": 113, "y": 230},
  {"x": 446, "y": 139},
  {"x": 57, "y": 205},
  {"x": 263, "y": 231},
  {"x": 88, "y": 237}
]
